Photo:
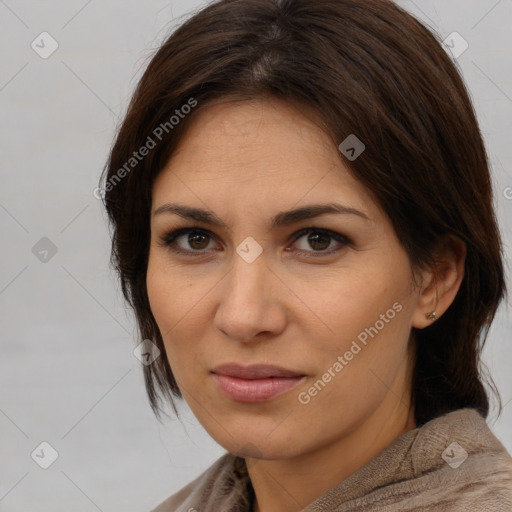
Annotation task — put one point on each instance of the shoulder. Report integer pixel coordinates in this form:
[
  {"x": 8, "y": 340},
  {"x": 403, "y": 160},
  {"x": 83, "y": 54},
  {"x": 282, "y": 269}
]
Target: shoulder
[
  {"x": 468, "y": 466},
  {"x": 452, "y": 463},
  {"x": 223, "y": 486}
]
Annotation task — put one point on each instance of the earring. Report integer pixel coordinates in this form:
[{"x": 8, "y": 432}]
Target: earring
[{"x": 431, "y": 316}]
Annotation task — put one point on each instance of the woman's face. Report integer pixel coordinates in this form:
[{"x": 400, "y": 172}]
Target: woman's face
[{"x": 327, "y": 297}]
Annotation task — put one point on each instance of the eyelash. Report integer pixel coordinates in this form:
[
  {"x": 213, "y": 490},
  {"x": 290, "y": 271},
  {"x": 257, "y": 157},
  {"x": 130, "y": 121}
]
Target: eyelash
[{"x": 167, "y": 240}]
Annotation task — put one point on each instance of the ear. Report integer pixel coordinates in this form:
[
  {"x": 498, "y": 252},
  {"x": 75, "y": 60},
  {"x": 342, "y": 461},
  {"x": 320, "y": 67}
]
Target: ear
[{"x": 442, "y": 282}]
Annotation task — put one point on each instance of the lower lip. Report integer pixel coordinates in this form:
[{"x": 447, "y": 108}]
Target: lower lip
[{"x": 255, "y": 390}]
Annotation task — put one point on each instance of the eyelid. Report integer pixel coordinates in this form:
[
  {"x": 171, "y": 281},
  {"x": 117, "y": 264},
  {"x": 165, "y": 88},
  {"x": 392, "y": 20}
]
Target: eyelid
[{"x": 171, "y": 235}]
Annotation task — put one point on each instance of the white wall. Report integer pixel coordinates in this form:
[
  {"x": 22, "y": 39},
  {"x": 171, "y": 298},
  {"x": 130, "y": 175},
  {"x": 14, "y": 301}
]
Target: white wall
[{"x": 67, "y": 373}]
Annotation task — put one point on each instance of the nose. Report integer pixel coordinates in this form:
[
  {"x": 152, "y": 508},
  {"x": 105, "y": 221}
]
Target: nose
[{"x": 251, "y": 301}]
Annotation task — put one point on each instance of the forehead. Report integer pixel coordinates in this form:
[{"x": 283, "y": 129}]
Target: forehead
[
  {"x": 251, "y": 134},
  {"x": 260, "y": 150}
]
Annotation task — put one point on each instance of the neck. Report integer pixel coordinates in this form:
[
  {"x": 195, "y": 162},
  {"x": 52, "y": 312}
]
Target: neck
[{"x": 289, "y": 485}]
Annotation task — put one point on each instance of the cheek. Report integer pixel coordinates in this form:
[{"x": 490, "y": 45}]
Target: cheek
[
  {"x": 366, "y": 319},
  {"x": 169, "y": 292},
  {"x": 158, "y": 287},
  {"x": 176, "y": 306},
  {"x": 165, "y": 303},
  {"x": 347, "y": 301}
]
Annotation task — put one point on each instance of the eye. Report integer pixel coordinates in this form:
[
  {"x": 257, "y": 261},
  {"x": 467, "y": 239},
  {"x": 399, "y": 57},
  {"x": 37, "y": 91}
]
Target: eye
[
  {"x": 195, "y": 241},
  {"x": 320, "y": 240}
]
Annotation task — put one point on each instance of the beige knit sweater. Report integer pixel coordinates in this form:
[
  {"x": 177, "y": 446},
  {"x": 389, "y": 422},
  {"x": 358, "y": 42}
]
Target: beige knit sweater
[{"x": 421, "y": 471}]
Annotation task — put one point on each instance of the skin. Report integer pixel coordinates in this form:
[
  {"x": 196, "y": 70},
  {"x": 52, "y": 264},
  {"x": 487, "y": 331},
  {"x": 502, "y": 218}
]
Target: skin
[{"x": 295, "y": 305}]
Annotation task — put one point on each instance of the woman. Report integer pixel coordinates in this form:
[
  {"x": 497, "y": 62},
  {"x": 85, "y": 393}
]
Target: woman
[{"x": 303, "y": 224}]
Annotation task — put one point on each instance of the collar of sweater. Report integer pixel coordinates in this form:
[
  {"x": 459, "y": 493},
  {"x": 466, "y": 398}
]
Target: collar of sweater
[{"x": 448, "y": 463}]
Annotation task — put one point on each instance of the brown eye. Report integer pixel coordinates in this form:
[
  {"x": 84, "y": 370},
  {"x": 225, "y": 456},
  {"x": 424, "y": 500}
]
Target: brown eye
[
  {"x": 197, "y": 240},
  {"x": 194, "y": 241},
  {"x": 321, "y": 241},
  {"x": 187, "y": 240}
]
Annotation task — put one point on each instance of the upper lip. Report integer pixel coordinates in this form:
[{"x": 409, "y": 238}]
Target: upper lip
[{"x": 254, "y": 371}]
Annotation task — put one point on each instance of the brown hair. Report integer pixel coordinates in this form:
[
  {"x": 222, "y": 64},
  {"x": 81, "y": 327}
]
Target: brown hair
[{"x": 366, "y": 67}]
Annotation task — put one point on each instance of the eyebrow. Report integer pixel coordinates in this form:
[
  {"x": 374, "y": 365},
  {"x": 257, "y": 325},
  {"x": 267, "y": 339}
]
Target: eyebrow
[{"x": 284, "y": 218}]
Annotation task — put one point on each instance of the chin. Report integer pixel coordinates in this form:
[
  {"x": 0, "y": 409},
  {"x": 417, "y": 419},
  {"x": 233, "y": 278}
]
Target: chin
[{"x": 258, "y": 443}]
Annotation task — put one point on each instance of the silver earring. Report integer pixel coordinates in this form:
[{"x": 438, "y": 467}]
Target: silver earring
[{"x": 431, "y": 316}]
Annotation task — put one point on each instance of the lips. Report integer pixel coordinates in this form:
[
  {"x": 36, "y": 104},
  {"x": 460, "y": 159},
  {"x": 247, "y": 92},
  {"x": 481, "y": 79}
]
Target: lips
[
  {"x": 255, "y": 371},
  {"x": 255, "y": 383}
]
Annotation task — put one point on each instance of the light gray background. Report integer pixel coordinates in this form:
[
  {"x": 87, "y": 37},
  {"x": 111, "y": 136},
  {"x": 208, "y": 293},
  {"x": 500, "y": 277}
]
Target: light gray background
[{"x": 68, "y": 375}]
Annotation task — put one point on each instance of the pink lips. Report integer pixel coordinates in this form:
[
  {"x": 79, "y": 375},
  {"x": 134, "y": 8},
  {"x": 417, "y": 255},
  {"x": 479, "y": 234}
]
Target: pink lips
[{"x": 255, "y": 383}]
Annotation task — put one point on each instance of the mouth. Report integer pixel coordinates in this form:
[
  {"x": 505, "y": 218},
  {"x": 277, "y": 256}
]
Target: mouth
[{"x": 255, "y": 383}]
